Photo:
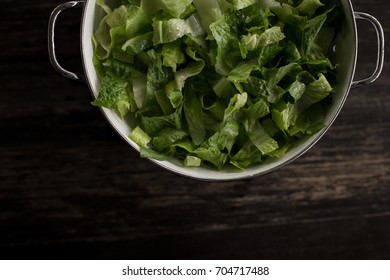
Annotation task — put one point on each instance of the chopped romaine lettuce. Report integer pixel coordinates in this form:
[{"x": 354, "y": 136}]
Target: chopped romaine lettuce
[
  {"x": 192, "y": 161},
  {"x": 217, "y": 82},
  {"x": 140, "y": 137}
]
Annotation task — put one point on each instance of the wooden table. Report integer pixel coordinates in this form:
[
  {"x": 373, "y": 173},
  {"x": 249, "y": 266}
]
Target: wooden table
[{"x": 70, "y": 188}]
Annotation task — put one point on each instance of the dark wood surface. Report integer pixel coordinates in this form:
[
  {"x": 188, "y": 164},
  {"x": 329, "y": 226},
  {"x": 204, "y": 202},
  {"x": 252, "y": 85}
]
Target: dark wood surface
[{"x": 70, "y": 188}]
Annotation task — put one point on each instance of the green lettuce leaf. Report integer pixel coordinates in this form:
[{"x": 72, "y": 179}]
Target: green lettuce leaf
[
  {"x": 220, "y": 30},
  {"x": 139, "y": 43},
  {"x": 140, "y": 137},
  {"x": 257, "y": 110},
  {"x": 167, "y": 138},
  {"x": 111, "y": 91},
  {"x": 318, "y": 89},
  {"x": 212, "y": 150},
  {"x": 193, "y": 112},
  {"x": 176, "y": 8},
  {"x": 270, "y": 36},
  {"x": 309, "y": 7},
  {"x": 284, "y": 115},
  {"x": 174, "y": 88},
  {"x": 257, "y": 87},
  {"x": 209, "y": 12},
  {"x": 241, "y": 4},
  {"x": 172, "y": 55},
  {"x": 169, "y": 30},
  {"x": 259, "y": 137},
  {"x": 153, "y": 154},
  {"x": 241, "y": 72},
  {"x": 192, "y": 161}
]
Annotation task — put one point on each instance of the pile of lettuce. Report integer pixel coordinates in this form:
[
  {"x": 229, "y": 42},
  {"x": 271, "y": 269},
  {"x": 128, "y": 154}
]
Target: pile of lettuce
[{"x": 217, "y": 82}]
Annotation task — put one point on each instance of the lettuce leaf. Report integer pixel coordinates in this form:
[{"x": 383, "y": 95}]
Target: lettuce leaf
[
  {"x": 193, "y": 112},
  {"x": 112, "y": 90},
  {"x": 213, "y": 149},
  {"x": 172, "y": 55},
  {"x": 241, "y": 4},
  {"x": 220, "y": 30},
  {"x": 309, "y": 7},
  {"x": 268, "y": 37},
  {"x": 140, "y": 137},
  {"x": 167, "y": 138},
  {"x": 176, "y": 8},
  {"x": 209, "y": 12},
  {"x": 259, "y": 137}
]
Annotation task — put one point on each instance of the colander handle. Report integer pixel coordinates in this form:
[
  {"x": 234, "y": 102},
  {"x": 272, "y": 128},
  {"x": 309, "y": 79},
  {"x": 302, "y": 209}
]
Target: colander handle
[
  {"x": 381, "y": 49},
  {"x": 51, "y": 43}
]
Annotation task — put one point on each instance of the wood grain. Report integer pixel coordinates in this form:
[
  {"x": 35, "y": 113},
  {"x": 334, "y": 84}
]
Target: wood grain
[{"x": 70, "y": 188}]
